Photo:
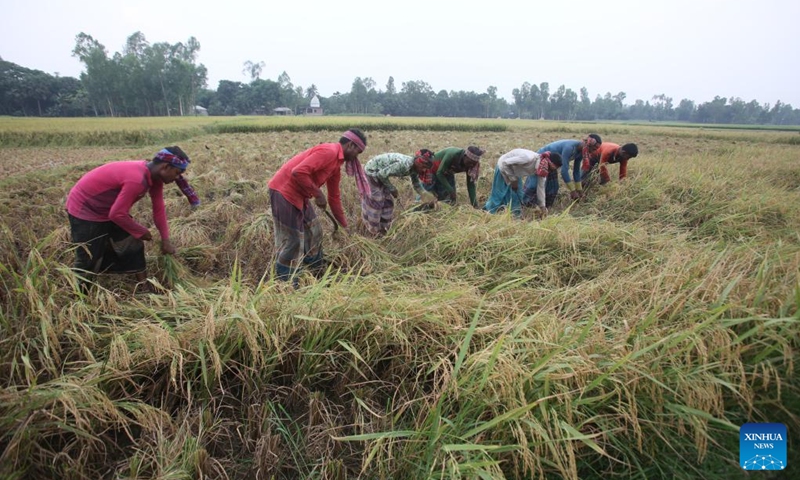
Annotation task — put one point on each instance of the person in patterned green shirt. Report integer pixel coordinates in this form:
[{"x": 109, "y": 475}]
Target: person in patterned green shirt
[{"x": 377, "y": 208}]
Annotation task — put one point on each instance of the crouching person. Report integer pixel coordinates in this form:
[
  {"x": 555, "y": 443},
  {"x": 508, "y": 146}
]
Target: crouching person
[
  {"x": 377, "y": 209},
  {"x": 108, "y": 239},
  {"x": 508, "y": 174},
  {"x": 440, "y": 179}
]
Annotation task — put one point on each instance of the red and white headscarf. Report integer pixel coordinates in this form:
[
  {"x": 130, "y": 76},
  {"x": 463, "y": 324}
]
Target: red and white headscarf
[
  {"x": 425, "y": 160},
  {"x": 353, "y": 168},
  {"x": 543, "y": 169}
]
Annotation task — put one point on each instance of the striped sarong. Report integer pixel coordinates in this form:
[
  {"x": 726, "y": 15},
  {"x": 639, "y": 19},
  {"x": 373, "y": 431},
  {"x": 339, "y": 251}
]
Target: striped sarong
[
  {"x": 298, "y": 233},
  {"x": 377, "y": 208}
]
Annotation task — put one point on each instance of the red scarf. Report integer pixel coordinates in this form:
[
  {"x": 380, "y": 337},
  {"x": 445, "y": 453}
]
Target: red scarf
[{"x": 543, "y": 169}]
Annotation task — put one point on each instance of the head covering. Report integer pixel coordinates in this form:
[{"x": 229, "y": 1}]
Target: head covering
[
  {"x": 543, "y": 169},
  {"x": 355, "y": 139},
  {"x": 423, "y": 159},
  {"x": 589, "y": 146},
  {"x": 168, "y": 157},
  {"x": 474, "y": 153}
]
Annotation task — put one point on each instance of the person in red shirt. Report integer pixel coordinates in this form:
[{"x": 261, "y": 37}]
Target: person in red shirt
[
  {"x": 108, "y": 239},
  {"x": 298, "y": 233},
  {"x": 610, "y": 153}
]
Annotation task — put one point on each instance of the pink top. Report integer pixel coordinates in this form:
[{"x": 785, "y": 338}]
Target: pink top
[
  {"x": 300, "y": 178},
  {"x": 108, "y": 192}
]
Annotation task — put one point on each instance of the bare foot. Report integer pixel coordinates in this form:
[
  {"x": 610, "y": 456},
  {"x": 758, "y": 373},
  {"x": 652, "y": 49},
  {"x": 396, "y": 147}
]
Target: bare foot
[{"x": 144, "y": 288}]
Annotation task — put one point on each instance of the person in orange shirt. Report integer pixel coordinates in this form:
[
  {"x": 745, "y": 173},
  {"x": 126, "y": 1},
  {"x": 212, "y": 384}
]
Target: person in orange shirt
[
  {"x": 297, "y": 231},
  {"x": 610, "y": 153}
]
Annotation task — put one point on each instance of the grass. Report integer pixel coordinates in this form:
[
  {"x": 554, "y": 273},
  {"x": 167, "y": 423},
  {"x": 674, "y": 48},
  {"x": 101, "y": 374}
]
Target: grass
[
  {"x": 94, "y": 132},
  {"x": 625, "y": 336},
  {"x": 147, "y": 131}
]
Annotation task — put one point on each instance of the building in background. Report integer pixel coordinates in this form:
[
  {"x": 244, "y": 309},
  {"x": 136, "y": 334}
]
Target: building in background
[{"x": 314, "y": 107}]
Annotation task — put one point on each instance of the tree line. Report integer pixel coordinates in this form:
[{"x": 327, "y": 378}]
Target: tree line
[{"x": 165, "y": 79}]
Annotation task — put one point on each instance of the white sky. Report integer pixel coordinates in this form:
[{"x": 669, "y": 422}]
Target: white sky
[{"x": 692, "y": 49}]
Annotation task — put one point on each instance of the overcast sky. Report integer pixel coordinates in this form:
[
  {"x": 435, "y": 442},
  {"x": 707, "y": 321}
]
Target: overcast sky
[{"x": 692, "y": 49}]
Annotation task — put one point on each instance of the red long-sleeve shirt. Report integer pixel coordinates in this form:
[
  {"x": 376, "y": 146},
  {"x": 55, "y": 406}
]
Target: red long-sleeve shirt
[
  {"x": 607, "y": 152},
  {"x": 301, "y": 177},
  {"x": 108, "y": 192}
]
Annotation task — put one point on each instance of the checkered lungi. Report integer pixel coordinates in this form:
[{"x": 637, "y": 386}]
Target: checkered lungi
[
  {"x": 298, "y": 233},
  {"x": 378, "y": 208}
]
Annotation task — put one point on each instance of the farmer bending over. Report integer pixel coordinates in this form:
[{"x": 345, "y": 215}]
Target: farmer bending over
[
  {"x": 298, "y": 233},
  {"x": 109, "y": 239},
  {"x": 611, "y": 153},
  {"x": 508, "y": 174},
  {"x": 571, "y": 151},
  {"x": 440, "y": 179},
  {"x": 377, "y": 208}
]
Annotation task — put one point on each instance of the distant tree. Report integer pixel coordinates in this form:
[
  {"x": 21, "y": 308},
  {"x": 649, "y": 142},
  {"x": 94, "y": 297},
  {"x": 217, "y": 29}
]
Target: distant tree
[
  {"x": 336, "y": 103},
  {"x": 145, "y": 79},
  {"x": 99, "y": 79},
  {"x": 685, "y": 110},
  {"x": 358, "y": 96},
  {"x": 165, "y": 79},
  {"x": 563, "y": 104},
  {"x": 418, "y": 98},
  {"x": 391, "y": 102},
  {"x": 227, "y": 94},
  {"x": 662, "y": 108},
  {"x": 253, "y": 69},
  {"x": 311, "y": 91},
  {"x": 265, "y": 95},
  {"x": 584, "y": 109},
  {"x": 491, "y": 109},
  {"x": 285, "y": 81},
  {"x": 390, "y": 88},
  {"x": 522, "y": 99},
  {"x": 442, "y": 105},
  {"x": 543, "y": 99}
]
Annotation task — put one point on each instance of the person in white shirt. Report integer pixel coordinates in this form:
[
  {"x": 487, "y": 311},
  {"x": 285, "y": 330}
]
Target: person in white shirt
[{"x": 509, "y": 172}]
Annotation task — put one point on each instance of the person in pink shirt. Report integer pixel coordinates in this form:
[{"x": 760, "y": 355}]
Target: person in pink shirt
[
  {"x": 298, "y": 233},
  {"x": 108, "y": 239}
]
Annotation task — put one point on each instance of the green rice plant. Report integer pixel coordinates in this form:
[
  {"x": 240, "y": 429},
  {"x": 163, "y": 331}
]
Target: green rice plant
[{"x": 173, "y": 271}]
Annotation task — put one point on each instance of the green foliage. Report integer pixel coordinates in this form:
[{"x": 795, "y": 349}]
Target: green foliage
[
  {"x": 163, "y": 79},
  {"x": 145, "y": 79}
]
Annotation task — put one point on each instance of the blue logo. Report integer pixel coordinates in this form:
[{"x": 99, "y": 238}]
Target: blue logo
[{"x": 762, "y": 446}]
